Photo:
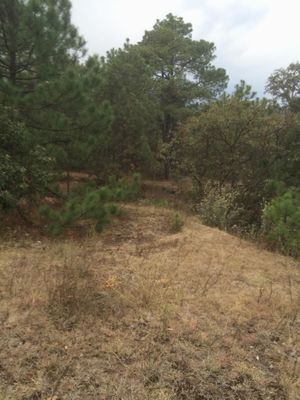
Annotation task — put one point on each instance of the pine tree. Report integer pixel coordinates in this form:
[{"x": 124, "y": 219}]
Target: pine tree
[
  {"x": 128, "y": 87},
  {"x": 41, "y": 76},
  {"x": 39, "y": 48},
  {"x": 183, "y": 73},
  {"x": 37, "y": 42}
]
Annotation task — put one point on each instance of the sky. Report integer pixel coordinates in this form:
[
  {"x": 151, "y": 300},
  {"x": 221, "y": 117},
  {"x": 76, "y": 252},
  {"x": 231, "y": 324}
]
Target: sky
[{"x": 252, "y": 37}]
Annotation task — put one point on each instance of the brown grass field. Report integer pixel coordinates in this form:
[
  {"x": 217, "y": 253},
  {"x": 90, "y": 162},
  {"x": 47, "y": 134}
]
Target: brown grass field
[{"x": 140, "y": 313}]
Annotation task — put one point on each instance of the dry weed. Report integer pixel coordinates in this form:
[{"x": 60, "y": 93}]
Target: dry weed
[{"x": 149, "y": 315}]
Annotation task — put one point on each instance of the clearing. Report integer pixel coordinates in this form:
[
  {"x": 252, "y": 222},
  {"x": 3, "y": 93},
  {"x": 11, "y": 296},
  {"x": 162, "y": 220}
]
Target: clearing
[{"x": 141, "y": 313}]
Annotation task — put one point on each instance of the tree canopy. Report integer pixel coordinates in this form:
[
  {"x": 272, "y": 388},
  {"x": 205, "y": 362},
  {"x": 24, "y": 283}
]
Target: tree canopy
[
  {"x": 284, "y": 85},
  {"x": 183, "y": 73}
]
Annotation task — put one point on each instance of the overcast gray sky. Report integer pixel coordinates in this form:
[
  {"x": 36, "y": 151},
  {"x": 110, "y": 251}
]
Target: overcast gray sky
[{"x": 253, "y": 37}]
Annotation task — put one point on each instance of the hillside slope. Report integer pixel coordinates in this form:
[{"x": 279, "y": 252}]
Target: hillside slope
[{"x": 140, "y": 313}]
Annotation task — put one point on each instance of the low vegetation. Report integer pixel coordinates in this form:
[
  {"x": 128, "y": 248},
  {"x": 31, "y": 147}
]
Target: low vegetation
[
  {"x": 86, "y": 203},
  {"x": 176, "y": 223},
  {"x": 281, "y": 222},
  {"x": 141, "y": 313}
]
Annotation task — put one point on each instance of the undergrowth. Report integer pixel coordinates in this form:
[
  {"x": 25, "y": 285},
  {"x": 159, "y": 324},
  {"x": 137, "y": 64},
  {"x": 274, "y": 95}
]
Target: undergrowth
[
  {"x": 176, "y": 223},
  {"x": 86, "y": 202},
  {"x": 281, "y": 222}
]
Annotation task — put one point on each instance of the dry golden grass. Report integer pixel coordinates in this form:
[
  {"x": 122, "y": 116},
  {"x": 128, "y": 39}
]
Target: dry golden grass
[{"x": 139, "y": 313}]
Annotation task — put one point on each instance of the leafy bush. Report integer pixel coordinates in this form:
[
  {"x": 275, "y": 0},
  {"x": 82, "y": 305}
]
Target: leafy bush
[
  {"x": 25, "y": 168},
  {"x": 219, "y": 207},
  {"x": 85, "y": 203},
  {"x": 281, "y": 222}
]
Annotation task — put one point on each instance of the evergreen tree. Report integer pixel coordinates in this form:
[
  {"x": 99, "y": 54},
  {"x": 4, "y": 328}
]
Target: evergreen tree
[
  {"x": 183, "y": 73},
  {"x": 128, "y": 87},
  {"x": 37, "y": 42},
  {"x": 41, "y": 76}
]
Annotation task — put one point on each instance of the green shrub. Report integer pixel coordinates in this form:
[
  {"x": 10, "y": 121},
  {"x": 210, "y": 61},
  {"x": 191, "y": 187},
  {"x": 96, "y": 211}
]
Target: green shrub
[
  {"x": 86, "y": 204},
  {"x": 281, "y": 222},
  {"x": 25, "y": 168},
  {"x": 125, "y": 191},
  {"x": 176, "y": 223}
]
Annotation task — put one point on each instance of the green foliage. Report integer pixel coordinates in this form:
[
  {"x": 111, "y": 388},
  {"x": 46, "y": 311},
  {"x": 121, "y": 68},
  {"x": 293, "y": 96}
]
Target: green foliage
[
  {"x": 80, "y": 134},
  {"x": 124, "y": 190},
  {"x": 176, "y": 223},
  {"x": 183, "y": 73},
  {"x": 37, "y": 41},
  {"x": 236, "y": 143},
  {"x": 274, "y": 188},
  {"x": 25, "y": 168},
  {"x": 281, "y": 222},
  {"x": 287, "y": 167},
  {"x": 41, "y": 77},
  {"x": 93, "y": 206},
  {"x": 284, "y": 85},
  {"x": 182, "y": 66},
  {"x": 86, "y": 203},
  {"x": 128, "y": 85},
  {"x": 39, "y": 50}
]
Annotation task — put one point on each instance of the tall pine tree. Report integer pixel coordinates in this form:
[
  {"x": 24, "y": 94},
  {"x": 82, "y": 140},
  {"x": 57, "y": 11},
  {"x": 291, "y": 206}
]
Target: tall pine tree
[
  {"x": 183, "y": 73},
  {"x": 43, "y": 83}
]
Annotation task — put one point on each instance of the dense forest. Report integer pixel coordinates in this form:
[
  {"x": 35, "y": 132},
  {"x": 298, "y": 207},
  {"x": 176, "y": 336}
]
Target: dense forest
[{"x": 158, "y": 108}]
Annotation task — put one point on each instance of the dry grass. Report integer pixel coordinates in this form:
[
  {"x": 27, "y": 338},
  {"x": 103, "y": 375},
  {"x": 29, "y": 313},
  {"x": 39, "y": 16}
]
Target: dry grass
[{"x": 140, "y": 313}]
